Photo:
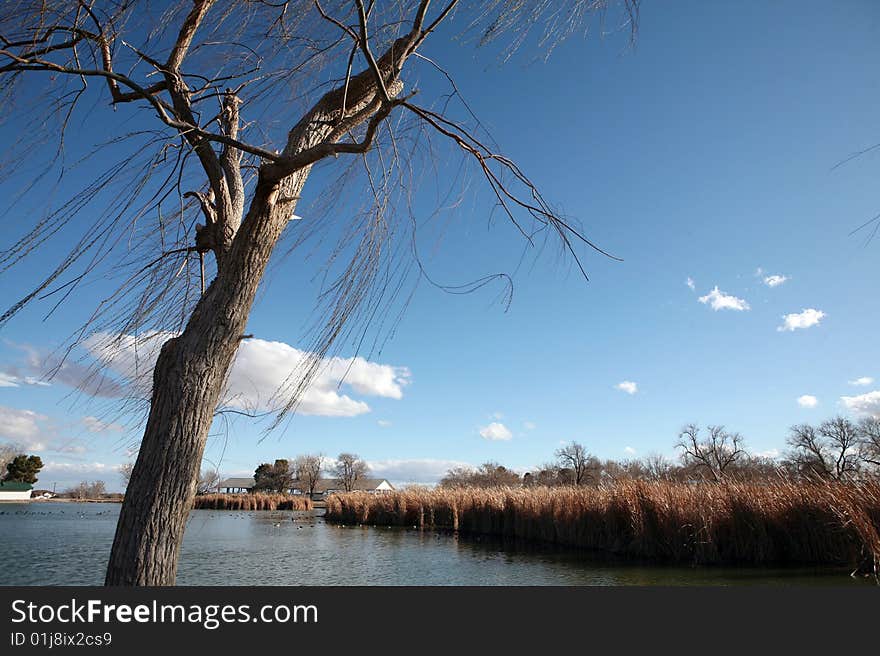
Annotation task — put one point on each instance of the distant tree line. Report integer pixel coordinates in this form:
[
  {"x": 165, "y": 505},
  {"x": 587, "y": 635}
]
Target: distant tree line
[
  {"x": 86, "y": 490},
  {"x": 836, "y": 449},
  {"x": 308, "y": 470}
]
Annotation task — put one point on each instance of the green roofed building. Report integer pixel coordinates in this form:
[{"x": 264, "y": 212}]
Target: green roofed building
[{"x": 15, "y": 491}]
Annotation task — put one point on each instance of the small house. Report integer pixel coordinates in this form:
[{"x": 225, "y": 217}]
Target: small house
[
  {"x": 236, "y": 485},
  {"x": 15, "y": 491}
]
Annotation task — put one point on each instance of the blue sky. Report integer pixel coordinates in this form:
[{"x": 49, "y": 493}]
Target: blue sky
[{"x": 704, "y": 153}]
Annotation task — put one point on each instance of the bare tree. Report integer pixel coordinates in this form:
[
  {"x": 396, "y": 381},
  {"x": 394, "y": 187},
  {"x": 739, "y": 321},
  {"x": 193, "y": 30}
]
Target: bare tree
[
  {"x": 713, "y": 455},
  {"x": 208, "y": 481},
  {"x": 833, "y": 450},
  {"x": 584, "y": 467},
  {"x": 8, "y": 451},
  {"x": 348, "y": 468},
  {"x": 489, "y": 474},
  {"x": 330, "y": 76},
  {"x": 307, "y": 469},
  {"x": 125, "y": 472},
  {"x": 86, "y": 490},
  {"x": 657, "y": 467},
  {"x": 869, "y": 434}
]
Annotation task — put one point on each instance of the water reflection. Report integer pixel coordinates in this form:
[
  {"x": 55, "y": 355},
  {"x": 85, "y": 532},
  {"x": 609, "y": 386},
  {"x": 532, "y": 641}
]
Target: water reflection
[{"x": 68, "y": 544}]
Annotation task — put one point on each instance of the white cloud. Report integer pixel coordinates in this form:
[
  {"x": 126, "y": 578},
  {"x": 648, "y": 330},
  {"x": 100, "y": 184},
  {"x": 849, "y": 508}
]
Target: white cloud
[
  {"x": 718, "y": 300},
  {"x": 776, "y": 280},
  {"x": 11, "y": 380},
  {"x": 628, "y": 450},
  {"x": 495, "y": 431},
  {"x": 23, "y": 426},
  {"x": 262, "y": 373},
  {"x": 807, "y": 401},
  {"x": 862, "y": 382},
  {"x": 804, "y": 319},
  {"x": 529, "y": 425},
  {"x": 690, "y": 283},
  {"x": 627, "y": 386},
  {"x": 95, "y": 425},
  {"x": 769, "y": 453},
  {"x": 384, "y": 423},
  {"x": 864, "y": 404}
]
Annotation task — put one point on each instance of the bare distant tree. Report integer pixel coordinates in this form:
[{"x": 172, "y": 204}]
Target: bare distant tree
[
  {"x": 348, "y": 468},
  {"x": 8, "y": 451},
  {"x": 230, "y": 106},
  {"x": 208, "y": 481},
  {"x": 657, "y": 467},
  {"x": 493, "y": 474},
  {"x": 869, "y": 434},
  {"x": 584, "y": 467},
  {"x": 489, "y": 474},
  {"x": 307, "y": 469},
  {"x": 713, "y": 455},
  {"x": 832, "y": 450},
  {"x": 125, "y": 473},
  {"x": 458, "y": 477},
  {"x": 86, "y": 490}
]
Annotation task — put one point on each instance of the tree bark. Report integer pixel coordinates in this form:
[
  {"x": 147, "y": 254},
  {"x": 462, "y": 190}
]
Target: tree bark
[{"x": 187, "y": 382}]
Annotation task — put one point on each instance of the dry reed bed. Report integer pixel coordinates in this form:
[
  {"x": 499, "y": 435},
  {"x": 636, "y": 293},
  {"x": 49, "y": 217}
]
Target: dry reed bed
[
  {"x": 779, "y": 522},
  {"x": 252, "y": 502}
]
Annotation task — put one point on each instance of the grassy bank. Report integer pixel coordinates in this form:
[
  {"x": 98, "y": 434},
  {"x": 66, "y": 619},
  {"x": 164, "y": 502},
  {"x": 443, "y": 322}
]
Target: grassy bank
[
  {"x": 736, "y": 523},
  {"x": 252, "y": 502}
]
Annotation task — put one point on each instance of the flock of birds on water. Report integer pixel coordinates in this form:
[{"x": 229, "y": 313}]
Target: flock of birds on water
[{"x": 78, "y": 513}]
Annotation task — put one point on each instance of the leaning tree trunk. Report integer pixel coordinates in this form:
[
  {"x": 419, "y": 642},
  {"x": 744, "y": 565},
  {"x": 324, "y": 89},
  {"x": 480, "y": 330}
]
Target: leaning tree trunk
[
  {"x": 187, "y": 382},
  {"x": 192, "y": 368}
]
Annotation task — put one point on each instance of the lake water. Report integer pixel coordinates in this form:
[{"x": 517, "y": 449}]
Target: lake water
[{"x": 48, "y": 543}]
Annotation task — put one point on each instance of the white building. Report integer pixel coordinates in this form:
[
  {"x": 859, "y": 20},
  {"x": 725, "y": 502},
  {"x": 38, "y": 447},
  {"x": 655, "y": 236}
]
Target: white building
[{"x": 15, "y": 491}]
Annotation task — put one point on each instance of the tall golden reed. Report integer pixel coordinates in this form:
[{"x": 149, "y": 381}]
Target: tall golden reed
[
  {"x": 732, "y": 523},
  {"x": 252, "y": 502}
]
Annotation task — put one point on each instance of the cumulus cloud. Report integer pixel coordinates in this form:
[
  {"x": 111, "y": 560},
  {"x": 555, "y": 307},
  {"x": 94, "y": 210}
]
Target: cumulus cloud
[
  {"x": 425, "y": 470},
  {"x": 863, "y": 404},
  {"x": 23, "y": 426},
  {"x": 718, "y": 300},
  {"x": 8, "y": 379},
  {"x": 38, "y": 367},
  {"x": 628, "y": 450},
  {"x": 775, "y": 280},
  {"x": 627, "y": 386},
  {"x": 801, "y": 320},
  {"x": 495, "y": 431},
  {"x": 691, "y": 284},
  {"x": 862, "y": 382},
  {"x": 807, "y": 401},
  {"x": 261, "y": 373},
  {"x": 95, "y": 425}
]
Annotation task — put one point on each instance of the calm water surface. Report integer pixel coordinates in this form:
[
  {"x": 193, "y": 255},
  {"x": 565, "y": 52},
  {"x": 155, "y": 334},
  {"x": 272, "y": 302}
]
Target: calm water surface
[{"x": 48, "y": 543}]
